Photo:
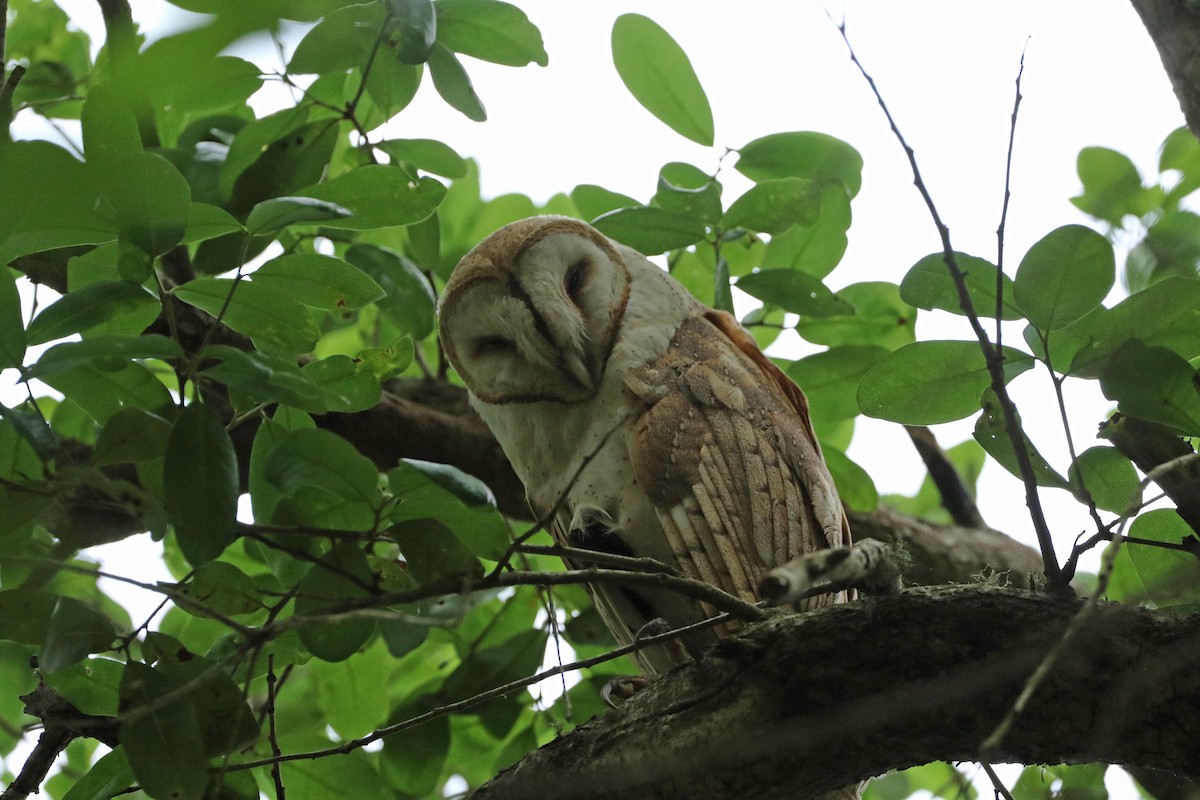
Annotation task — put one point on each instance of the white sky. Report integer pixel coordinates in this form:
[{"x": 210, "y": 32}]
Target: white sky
[{"x": 946, "y": 68}]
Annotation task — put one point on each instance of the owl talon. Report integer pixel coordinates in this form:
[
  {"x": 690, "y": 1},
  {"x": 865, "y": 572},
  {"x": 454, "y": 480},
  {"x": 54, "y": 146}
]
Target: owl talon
[
  {"x": 593, "y": 528},
  {"x": 620, "y": 689}
]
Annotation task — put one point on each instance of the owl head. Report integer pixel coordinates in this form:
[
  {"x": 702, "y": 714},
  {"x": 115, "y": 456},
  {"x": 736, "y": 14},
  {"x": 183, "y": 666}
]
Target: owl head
[{"x": 533, "y": 311}]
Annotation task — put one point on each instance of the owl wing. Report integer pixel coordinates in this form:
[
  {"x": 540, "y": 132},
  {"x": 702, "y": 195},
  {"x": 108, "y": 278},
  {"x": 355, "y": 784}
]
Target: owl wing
[{"x": 727, "y": 455}]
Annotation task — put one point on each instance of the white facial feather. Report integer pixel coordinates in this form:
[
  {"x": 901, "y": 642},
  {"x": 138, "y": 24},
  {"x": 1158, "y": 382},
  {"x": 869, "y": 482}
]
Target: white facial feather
[{"x": 577, "y": 349}]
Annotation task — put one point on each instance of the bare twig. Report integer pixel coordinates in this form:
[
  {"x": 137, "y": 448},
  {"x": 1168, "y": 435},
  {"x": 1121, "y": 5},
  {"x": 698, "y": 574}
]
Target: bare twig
[
  {"x": 276, "y": 775},
  {"x": 1012, "y": 136},
  {"x": 956, "y": 497},
  {"x": 1001, "y": 789},
  {"x": 546, "y": 518},
  {"x": 992, "y": 354},
  {"x": 993, "y": 743},
  {"x": 483, "y": 697}
]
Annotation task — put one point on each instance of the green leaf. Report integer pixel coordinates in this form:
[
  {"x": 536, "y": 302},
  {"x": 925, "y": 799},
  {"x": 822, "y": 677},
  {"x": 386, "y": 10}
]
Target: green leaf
[
  {"x": 162, "y": 740},
  {"x": 348, "y": 692},
  {"x": 1112, "y": 185},
  {"x": 830, "y": 379},
  {"x": 102, "y": 393},
  {"x": 378, "y": 197},
  {"x": 412, "y": 760},
  {"x": 151, "y": 199},
  {"x": 1066, "y": 274},
  {"x": 271, "y": 320},
  {"x": 416, "y": 29},
  {"x": 274, "y": 157},
  {"x": 26, "y": 169},
  {"x": 325, "y": 778},
  {"x": 1109, "y": 477},
  {"x": 1169, "y": 577},
  {"x": 105, "y": 352},
  {"x": 107, "y": 778},
  {"x": 854, "y": 484},
  {"x": 815, "y": 249},
  {"x": 929, "y": 285},
  {"x": 324, "y": 460},
  {"x": 650, "y": 230},
  {"x": 318, "y": 281},
  {"x": 74, "y": 631},
  {"x": 687, "y": 190},
  {"x": 12, "y": 323},
  {"x": 280, "y": 212},
  {"x": 491, "y": 31},
  {"x": 223, "y": 81},
  {"x": 1181, "y": 151},
  {"x": 226, "y": 723},
  {"x": 776, "y": 204},
  {"x": 880, "y": 318},
  {"x": 340, "y": 576},
  {"x": 926, "y": 383},
  {"x": 131, "y": 435},
  {"x": 25, "y": 614},
  {"x": 1165, "y": 315},
  {"x": 427, "y": 154},
  {"x": 794, "y": 291},
  {"x": 386, "y": 363},
  {"x": 410, "y": 301},
  {"x": 86, "y": 308},
  {"x": 454, "y": 85},
  {"x": 265, "y": 377},
  {"x": 594, "y": 201},
  {"x": 109, "y": 128},
  {"x": 659, "y": 75},
  {"x": 346, "y": 385},
  {"x": 1171, "y": 247},
  {"x": 992, "y": 435},
  {"x": 201, "y": 479},
  {"x": 802, "y": 154},
  {"x": 1154, "y": 383},
  {"x": 90, "y": 685},
  {"x": 222, "y": 587},
  {"x": 339, "y": 41},
  {"x": 458, "y": 501}
]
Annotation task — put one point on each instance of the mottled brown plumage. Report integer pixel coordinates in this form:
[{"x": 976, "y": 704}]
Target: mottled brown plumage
[{"x": 700, "y": 451}]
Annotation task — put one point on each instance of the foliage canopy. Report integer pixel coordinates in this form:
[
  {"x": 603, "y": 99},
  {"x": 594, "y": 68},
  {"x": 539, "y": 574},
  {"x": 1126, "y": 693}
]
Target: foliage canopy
[{"x": 211, "y": 280}]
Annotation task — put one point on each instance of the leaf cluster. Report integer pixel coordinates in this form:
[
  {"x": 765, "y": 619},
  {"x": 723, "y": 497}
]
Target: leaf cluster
[{"x": 195, "y": 286}]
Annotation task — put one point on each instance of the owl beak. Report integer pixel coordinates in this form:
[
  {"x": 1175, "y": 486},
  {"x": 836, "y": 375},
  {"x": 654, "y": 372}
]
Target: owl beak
[{"x": 578, "y": 370}]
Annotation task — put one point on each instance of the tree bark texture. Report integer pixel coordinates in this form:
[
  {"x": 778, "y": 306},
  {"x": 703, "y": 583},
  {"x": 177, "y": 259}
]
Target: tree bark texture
[
  {"x": 802, "y": 704},
  {"x": 1174, "y": 25}
]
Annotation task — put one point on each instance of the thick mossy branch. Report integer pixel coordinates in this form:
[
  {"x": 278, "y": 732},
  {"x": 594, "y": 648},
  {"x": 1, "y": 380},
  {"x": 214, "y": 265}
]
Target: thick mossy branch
[{"x": 806, "y": 703}]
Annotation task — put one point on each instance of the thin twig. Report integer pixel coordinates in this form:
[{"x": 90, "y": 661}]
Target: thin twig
[
  {"x": 1012, "y": 136},
  {"x": 1001, "y": 789},
  {"x": 276, "y": 776},
  {"x": 546, "y": 518},
  {"x": 483, "y": 697},
  {"x": 598, "y": 558},
  {"x": 991, "y": 745},
  {"x": 992, "y": 354}
]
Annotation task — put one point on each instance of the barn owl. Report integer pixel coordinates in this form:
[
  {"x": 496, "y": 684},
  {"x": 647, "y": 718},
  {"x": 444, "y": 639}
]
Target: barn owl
[{"x": 691, "y": 447}]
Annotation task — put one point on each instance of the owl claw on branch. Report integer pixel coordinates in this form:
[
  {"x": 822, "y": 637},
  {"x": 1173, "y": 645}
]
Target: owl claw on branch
[{"x": 870, "y": 565}]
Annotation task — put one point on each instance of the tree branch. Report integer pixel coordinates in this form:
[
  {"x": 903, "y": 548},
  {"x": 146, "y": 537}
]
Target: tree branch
[
  {"x": 956, "y": 496},
  {"x": 806, "y": 703},
  {"x": 1175, "y": 28}
]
